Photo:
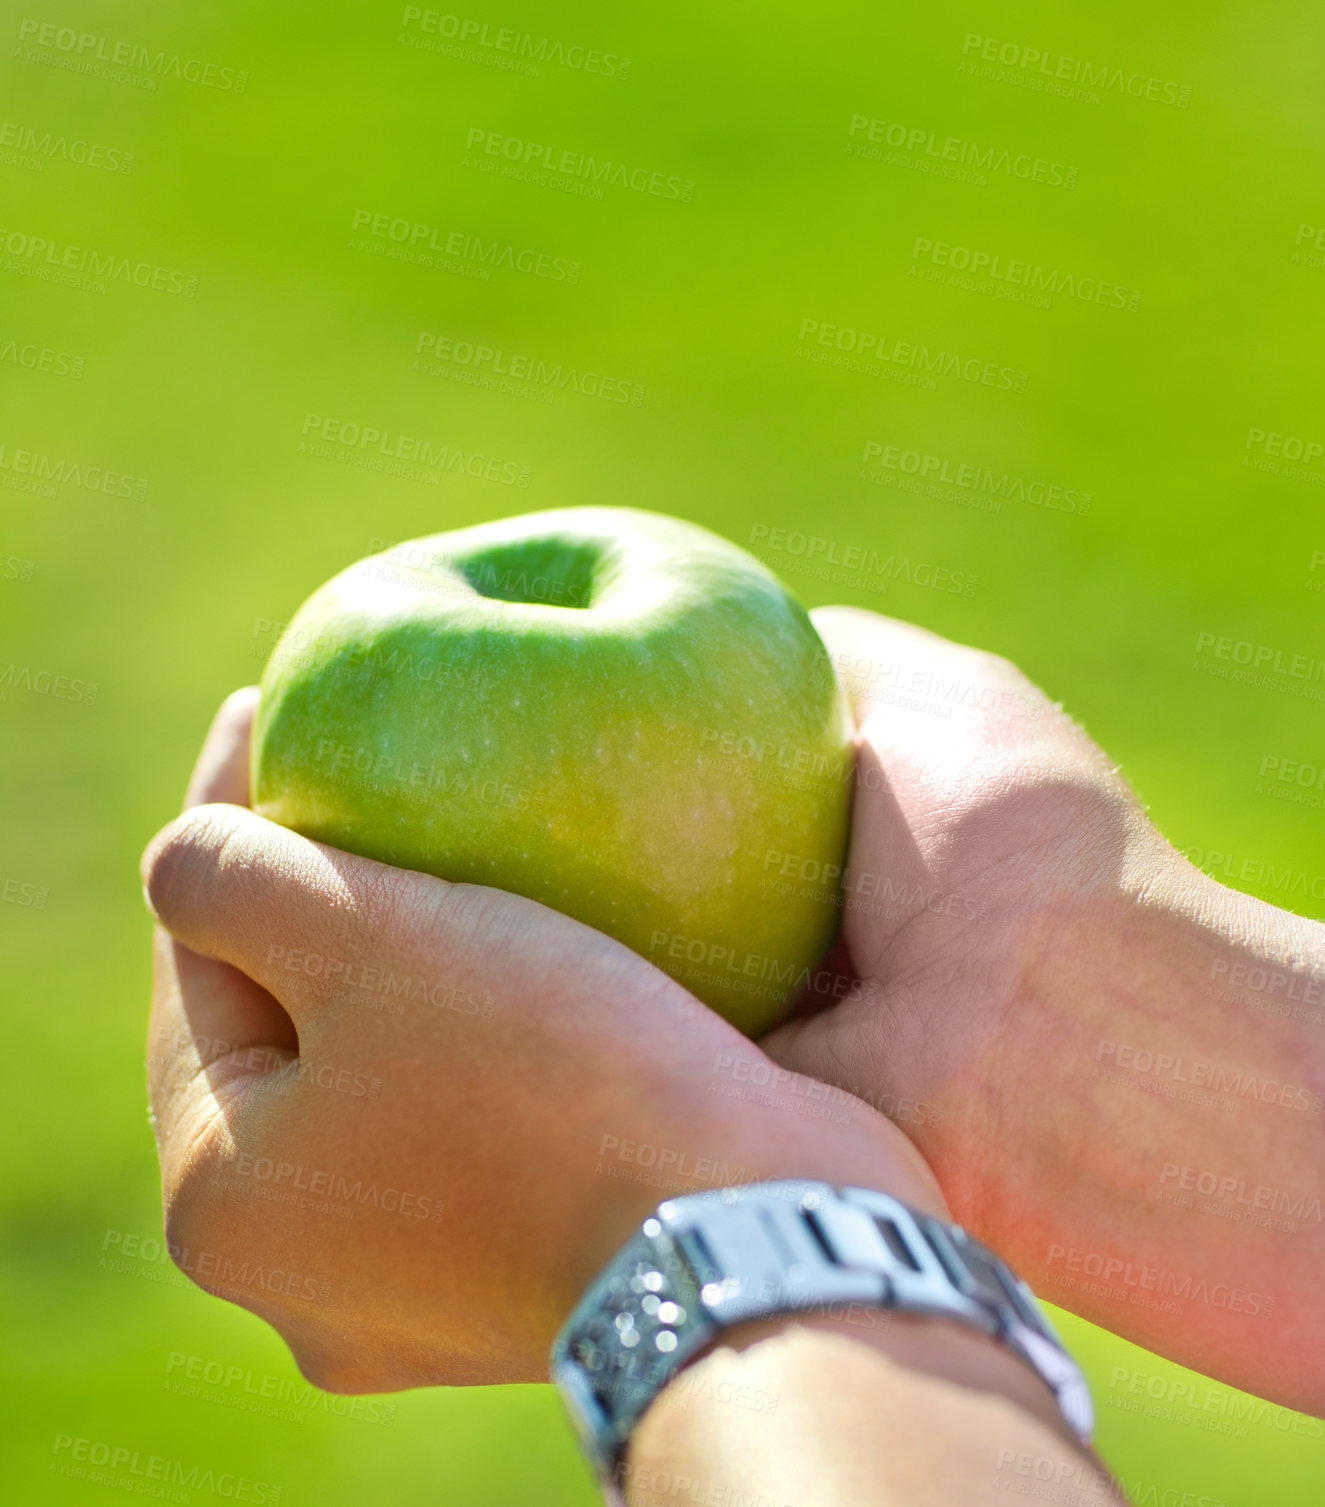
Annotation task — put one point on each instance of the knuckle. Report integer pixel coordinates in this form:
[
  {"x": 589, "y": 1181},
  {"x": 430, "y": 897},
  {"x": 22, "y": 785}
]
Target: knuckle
[
  {"x": 453, "y": 931},
  {"x": 417, "y": 911},
  {"x": 392, "y": 899},
  {"x": 463, "y": 922},
  {"x": 380, "y": 908}
]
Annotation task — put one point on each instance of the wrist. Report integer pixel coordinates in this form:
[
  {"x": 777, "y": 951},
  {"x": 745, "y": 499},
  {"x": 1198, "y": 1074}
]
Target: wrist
[
  {"x": 740, "y": 1261},
  {"x": 1174, "y": 1019},
  {"x": 766, "y": 1144},
  {"x": 801, "y": 1411},
  {"x": 933, "y": 1346}
]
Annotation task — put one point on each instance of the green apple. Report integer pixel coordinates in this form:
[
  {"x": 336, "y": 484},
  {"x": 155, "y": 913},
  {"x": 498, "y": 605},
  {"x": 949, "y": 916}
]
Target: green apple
[{"x": 612, "y": 712}]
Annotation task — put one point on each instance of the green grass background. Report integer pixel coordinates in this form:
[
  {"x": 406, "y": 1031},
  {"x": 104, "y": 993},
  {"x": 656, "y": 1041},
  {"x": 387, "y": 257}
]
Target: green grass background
[{"x": 161, "y": 602}]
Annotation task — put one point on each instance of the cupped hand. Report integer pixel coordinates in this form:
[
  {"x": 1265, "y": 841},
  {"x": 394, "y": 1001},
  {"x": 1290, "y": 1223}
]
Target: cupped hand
[
  {"x": 983, "y": 817},
  {"x": 406, "y": 1121},
  {"x": 1112, "y": 1063}
]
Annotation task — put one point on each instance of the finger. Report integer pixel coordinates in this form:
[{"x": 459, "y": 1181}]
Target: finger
[
  {"x": 222, "y": 1005},
  {"x": 938, "y": 724},
  {"x": 221, "y": 773},
  {"x": 201, "y": 1083},
  {"x": 317, "y": 926},
  {"x": 210, "y": 1024},
  {"x": 211, "y": 1028},
  {"x": 927, "y": 700},
  {"x": 868, "y": 649},
  {"x": 204, "y": 1011},
  {"x": 300, "y": 918}
]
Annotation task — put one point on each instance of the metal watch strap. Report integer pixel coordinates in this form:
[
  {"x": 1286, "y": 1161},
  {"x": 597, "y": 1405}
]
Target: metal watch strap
[{"x": 706, "y": 1261}]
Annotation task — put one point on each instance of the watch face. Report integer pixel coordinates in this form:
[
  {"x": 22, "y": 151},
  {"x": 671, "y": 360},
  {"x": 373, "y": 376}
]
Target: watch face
[{"x": 636, "y": 1328}]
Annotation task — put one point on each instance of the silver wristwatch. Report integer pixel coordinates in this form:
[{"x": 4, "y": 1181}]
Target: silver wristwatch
[{"x": 707, "y": 1261}]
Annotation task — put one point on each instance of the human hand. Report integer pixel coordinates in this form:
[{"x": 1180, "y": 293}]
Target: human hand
[
  {"x": 979, "y": 810},
  {"x": 391, "y": 1110},
  {"x": 1037, "y": 998}
]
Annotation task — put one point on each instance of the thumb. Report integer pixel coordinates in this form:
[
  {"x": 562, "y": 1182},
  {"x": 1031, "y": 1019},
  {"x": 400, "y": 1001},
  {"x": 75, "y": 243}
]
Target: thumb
[
  {"x": 843, "y": 1045},
  {"x": 908, "y": 686}
]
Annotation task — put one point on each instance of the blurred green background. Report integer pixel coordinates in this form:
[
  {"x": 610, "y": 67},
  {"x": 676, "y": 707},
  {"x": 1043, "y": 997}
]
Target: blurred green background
[{"x": 1176, "y": 152}]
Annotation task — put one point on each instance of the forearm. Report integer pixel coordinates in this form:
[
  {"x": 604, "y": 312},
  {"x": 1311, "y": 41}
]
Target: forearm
[
  {"x": 865, "y": 1407},
  {"x": 1168, "y": 1181}
]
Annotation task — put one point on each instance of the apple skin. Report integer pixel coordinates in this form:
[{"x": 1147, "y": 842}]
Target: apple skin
[{"x": 630, "y": 720}]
